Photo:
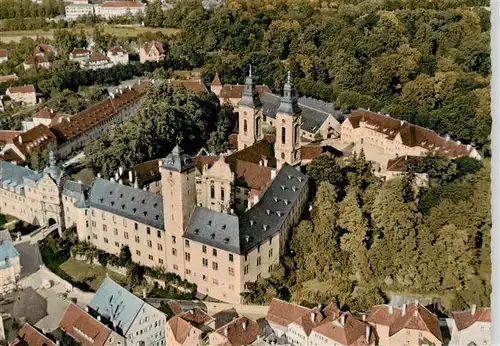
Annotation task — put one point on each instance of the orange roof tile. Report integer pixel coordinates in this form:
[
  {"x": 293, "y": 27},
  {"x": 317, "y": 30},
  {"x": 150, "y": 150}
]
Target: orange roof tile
[
  {"x": 97, "y": 56},
  {"x": 8, "y": 136},
  {"x": 11, "y": 156},
  {"x": 216, "y": 80},
  {"x": 257, "y": 177},
  {"x": 34, "y": 138},
  {"x": 346, "y": 330},
  {"x": 45, "y": 49},
  {"x": 31, "y": 337},
  {"x": 240, "y": 332},
  {"x": 284, "y": 313},
  {"x": 180, "y": 328},
  {"x": 8, "y": 78},
  {"x": 464, "y": 319},
  {"x": 80, "y": 51},
  {"x": 417, "y": 317},
  {"x": 83, "y": 328},
  {"x": 21, "y": 89},
  {"x": 148, "y": 45},
  {"x": 195, "y": 316},
  {"x": 32, "y": 60},
  {"x": 4, "y": 53},
  {"x": 117, "y": 50}
]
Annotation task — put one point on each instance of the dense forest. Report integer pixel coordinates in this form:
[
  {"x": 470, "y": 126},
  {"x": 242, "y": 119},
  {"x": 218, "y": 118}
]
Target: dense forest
[
  {"x": 423, "y": 61},
  {"x": 366, "y": 240}
]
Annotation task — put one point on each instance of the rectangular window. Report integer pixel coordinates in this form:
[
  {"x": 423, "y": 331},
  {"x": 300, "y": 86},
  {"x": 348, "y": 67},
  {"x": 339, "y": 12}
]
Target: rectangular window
[
  {"x": 104, "y": 228},
  {"x": 187, "y": 256},
  {"x": 136, "y": 226},
  {"x": 246, "y": 257},
  {"x": 204, "y": 278},
  {"x": 137, "y": 252},
  {"x": 124, "y": 222},
  {"x": 125, "y": 235},
  {"x": 270, "y": 252},
  {"x": 186, "y": 243},
  {"x": 117, "y": 244},
  {"x": 106, "y": 240},
  {"x": 115, "y": 231},
  {"x": 258, "y": 248},
  {"x": 214, "y": 252},
  {"x": 114, "y": 219},
  {"x": 231, "y": 257},
  {"x": 222, "y": 194},
  {"x": 160, "y": 261},
  {"x": 270, "y": 269},
  {"x": 174, "y": 251},
  {"x": 150, "y": 257},
  {"x": 204, "y": 248},
  {"x": 173, "y": 239},
  {"x": 259, "y": 261},
  {"x": 175, "y": 266},
  {"x": 270, "y": 241},
  {"x": 150, "y": 243},
  {"x": 245, "y": 270},
  {"x": 148, "y": 230},
  {"x": 212, "y": 191},
  {"x": 94, "y": 236},
  {"x": 158, "y": 234},
  {"x": 215, "y": 266},
  {"x": 93, "y": 223},
  {"x": 258, "y": 276},
  {"x": 231, "y": 287},
  {"x": 215, "y": 281},
  {"x": 231, "y": 271},
  {"x": 160, "y": 247},
  {"x": 136, "y": 238},
  {"x": 205, "y": 262},
  {"x": 188, "y": 271}
]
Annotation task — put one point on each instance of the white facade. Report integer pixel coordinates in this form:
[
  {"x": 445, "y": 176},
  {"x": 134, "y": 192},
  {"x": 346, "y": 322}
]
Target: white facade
[
  {"x": 118, "y": 57},
  {"x": 148, "y": 328},
  {"x": 479, "y": 333},
  {"x": 112, "y": 9},
  {"x": 74, "y": 11}
]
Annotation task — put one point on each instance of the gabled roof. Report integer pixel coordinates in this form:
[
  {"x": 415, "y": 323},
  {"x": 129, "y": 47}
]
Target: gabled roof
[
  {"x": 74, "y": 189},
  {"x": 32, "y": 60},
  {"x": 193, "y": 85},
  {"x": 284, "y": 313},
  {"x": 116, "y": 304},
  {"x": 346, "y": 330},
  {"x": 216, "y": 81},
  {"x": 311, "y": 152},
  {"x": 31, "y": 337},
  {"x": 34, "y": 138},
  {"x": 134, "y": 204},
  {"x": 148, "y": 45},
  {"x": 117, "y": 50},
  {"x": 254, "y": 153},
  {"x": 180, "y": 328},
  {"x": 21, "y": 89},
  {"x": 80, "y": 51},
  {"x": 255, "y": 176},
  {"x": 240, "y": 332},
  {"x": 11, "y": 156},
  {"x": 97, "y": 57},
  {"x": 464, "y": 319},
  {"x": 398, "y": 164},
  {"x": 8, "y": 78},
  {"x": 83, "y": 327},
  {"x": 8, "y": 136},
  {"x": 15, "y": 174},
  {"x": 45, "y": 49}
]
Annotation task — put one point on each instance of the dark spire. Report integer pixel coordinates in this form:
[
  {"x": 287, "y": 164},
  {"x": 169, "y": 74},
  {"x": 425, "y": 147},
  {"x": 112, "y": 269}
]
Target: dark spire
[
  {"x": 288, "y": 104},
  {"x": 250, "y": 97},
  {"x": 178, "y": 161}
]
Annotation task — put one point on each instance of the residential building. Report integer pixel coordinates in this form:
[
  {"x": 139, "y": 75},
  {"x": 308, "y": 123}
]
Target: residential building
[
  {"x": 152, "y": 51},
  {"x": 33, "y": 141},
  {"x": 76, "y": 132},
  {"x": 138, "y": 322},
  {"x": 188, "y": 328},
  {"x": 4, "y": 55},
  {"x": 87, "y": 330},
  {"x": 318, "y": 326},
  {"x": 117, "y": 55},
  {"x": 398, "y": 138},
  {"x": 397, "y": 167},
  {"x": 80, "y": 55},
  {"x": 98, "y": 61},
  {"x": 8, "y": 78},
  {"x": 110, "y": 9},
  {"x": 29, "y": 335},
  {"x": 10, "y": 266},
  {"x": 470, "y": 327},
  {"x": 76, "y": 10},
  {"x": 25, "y": 94},
  {"x": 242, "y": 331},
  {"x": 36, "y": 62},
  {"x": 7, "y": 136},
  {"x": 45, "y": 116},
  {"x": 44, "y": 50},
  {"x": 411, "y": 324}
]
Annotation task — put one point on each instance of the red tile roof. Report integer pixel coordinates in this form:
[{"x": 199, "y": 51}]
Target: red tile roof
[
  {"x": 464, "y": 319},
  {"x": 240, "y": 332},
  {"x": 255, "y": 153},
  {"x": 4, "y": 53},
  {"x": 31, "y": 337},
  {"x": 45, "y": 49},
  {"x": 32, "y": 60},
  {"x": 195, "y": 316},
  {"x": 283, "y": 313},
  {"x": 398, "y": 164},
  {"x": 80, "y": 51},
  {"x": 86, "y": 120},
  {"x": 236, "y": 91},
  {"x": 117, "y": 50},
  {"x": 11, "y": 156},
  {"x": 311, "y": 152},
  {"x": 45, "y": 113},
  {"x": 193, "y": 85},
  {"x": 411, "y": 135},
  {"x": 8, "y": 136},
  {"x": 256, "y": 177},
  {"x": 34, "y": 138},
  {"x": 180, "y": 328},
  {"x": 21, "y": 89},
  {"x": 83, "y": 328},
  {"x": 216, "y": 80},
  {"x": 97, "y": 56},
  {"x": 176, "y": 307},
  {"x": 347, "y": 330},
  {"x": 136, "y": 4},
  {"x": 8, "y": 78},
  {"x": 148, "y": 45}
]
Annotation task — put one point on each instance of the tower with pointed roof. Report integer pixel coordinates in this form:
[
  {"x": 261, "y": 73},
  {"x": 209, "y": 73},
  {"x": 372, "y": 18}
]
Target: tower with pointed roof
[
  {"x": 216, "y": 85},
  {"x": 179, "y": 201},
  {"x": 250, "y": 115},
  {"x": 288, "y": 125}
]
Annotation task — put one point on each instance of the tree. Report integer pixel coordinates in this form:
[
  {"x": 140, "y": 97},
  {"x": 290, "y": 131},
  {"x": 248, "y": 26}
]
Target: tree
[
  {"x": 135, "y": 275},
  {"x": 125, "y": 256},
  {"x": 325, "y": 169},
  {"x": 218, "y": 142}
]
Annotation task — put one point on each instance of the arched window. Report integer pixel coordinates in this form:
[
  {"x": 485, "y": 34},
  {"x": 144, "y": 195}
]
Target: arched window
[
  {"x": 283, "y": 135},
  {"x": 296, "y": 133},
  {"x": 245, "y": 126},
  {"x": 258, "y": 126}
]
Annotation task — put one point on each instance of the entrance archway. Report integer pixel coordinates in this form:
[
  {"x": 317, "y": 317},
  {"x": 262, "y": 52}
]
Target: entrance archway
[{"x": 52, "y": 221}]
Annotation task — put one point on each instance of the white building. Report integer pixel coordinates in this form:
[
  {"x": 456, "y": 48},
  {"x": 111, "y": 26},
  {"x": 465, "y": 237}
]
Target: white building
[
  {"x": 111, "y": 9},
  {"x": 98, "y": 61},
  {"x": 76, "y": 10},
  {"x": 471, "y": 327},
  {"x": 80, "y": 55},
  {"x": 117, "y": 55}
]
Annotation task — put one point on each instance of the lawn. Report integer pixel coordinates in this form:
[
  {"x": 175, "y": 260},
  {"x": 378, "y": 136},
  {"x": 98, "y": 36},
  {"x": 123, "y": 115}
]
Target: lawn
[
  {"x": 85, "y": 175},
  {"x": 91, "y": 275},
  {"x": 114, "y": 30}
]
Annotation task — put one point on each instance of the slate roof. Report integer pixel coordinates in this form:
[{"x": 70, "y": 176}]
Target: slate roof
[
  {"x": 312, "y": 117},
  {"x": 214, "y": 228},
  {"x": 116, "y": 304},
  {"x": 178, "y": 161},
  {"x": 125, "y": 201},
  {"x": 74, "y": 189},
  {"x": 15, "y": 174}
]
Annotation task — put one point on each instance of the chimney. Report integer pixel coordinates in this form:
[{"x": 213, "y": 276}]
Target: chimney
[
  {"x": 404, "y": 309},
  {"x": 469, "y": 147},
  {"x": 160, "y": 162},
  {"x": 265, "y": 161},
  {"x": 473, "y": 309},
  {"x": 225, "y": 331},
  {"x": 244, "y": 325},
  {"x": 58, "y": 342},
  {"x": 416, "y": 303},
  {"x": 86, "y": 309},
  {"x": 130, "y": 176},
  {"x": 99, "y": 318},
  {"x": 402, "y": 122},
  {"x": 342, "y": 320},
  {"x": 80, "y": 181},
  {"x": 112, "y": 179},
  {"x": 364, "y": 317},
  {"x": 20, "y": 139},
  {"x": 98, "y": 175},
  {"x": 120, "y": 170},
  {"x": 44, "y": 331},
  {"x": 367, "y": 334},
  {"x": 117, "y": 176},
  {"x": 390, "y": 310},
  {"x": 415, "y": 313},
  {"x": 120, "y": 182},
  {"x": 136, "y": 184},
  {"x": 313, "y": 316}
]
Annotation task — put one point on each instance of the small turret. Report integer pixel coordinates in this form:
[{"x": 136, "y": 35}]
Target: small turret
[
  {"x": 288, "y": 103},
  {"x": 250, "y": 97}
]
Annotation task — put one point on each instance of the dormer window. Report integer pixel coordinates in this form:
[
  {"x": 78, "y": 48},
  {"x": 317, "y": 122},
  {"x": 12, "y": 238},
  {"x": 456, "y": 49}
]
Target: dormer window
[
  {"x": 252, "y": 222},
  {"x": 275, "y": 199},
  {"x": 265, "y": 227},
  {"x": 196, "y": 231},
  {"x": 134, "y": 210},
  {"x": 268, "y": 212},
  {"x": 283, "y": 187},
  {"x": 210, "y": 222},
  {"x": 226, "y": 240},
  {"x": 212, "y": 236},
  {"x": 157, "y": 217}
]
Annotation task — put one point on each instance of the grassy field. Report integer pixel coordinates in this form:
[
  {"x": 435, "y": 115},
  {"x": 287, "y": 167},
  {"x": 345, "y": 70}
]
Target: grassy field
[
  {"x": 114, "y": 30},
  {"x": 92, "y": 275}
]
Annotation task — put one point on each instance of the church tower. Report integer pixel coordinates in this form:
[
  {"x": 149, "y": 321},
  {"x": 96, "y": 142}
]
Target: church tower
[
  {"x": 288, "y": 127},
  {"x": 250, "y": 115},
  {"x": 179, "y": 201}
]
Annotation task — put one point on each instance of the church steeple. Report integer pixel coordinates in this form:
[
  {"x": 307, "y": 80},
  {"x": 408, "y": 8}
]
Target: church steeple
[
  {"x": 288, "y": 104},
  {"x": 250, "y": 97}
]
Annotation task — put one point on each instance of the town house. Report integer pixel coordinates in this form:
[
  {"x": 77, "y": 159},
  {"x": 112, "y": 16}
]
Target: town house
[
  {"x": 25, "y": 94},
  {"x": 151, "y": 51}
]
